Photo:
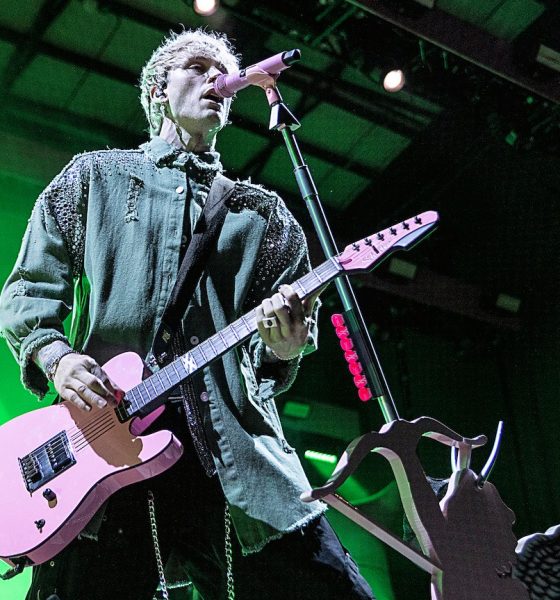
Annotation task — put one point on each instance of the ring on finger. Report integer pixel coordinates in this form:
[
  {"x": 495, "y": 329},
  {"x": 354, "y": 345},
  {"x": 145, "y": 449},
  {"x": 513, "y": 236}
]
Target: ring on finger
[{"x": 269, "y": 322}]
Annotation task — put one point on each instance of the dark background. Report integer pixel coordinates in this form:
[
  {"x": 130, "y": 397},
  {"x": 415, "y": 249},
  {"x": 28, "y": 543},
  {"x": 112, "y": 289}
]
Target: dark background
[{"x": 473, "y": 135}]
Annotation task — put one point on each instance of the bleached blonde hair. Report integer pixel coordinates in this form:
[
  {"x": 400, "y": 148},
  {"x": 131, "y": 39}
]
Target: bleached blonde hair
[{"x": 171, "y": 54}]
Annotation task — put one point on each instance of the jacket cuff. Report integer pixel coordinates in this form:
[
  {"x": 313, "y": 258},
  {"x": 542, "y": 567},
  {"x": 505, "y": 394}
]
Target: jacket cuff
[
  {"x": 273, "y": 375},
  {"x": 32, "y": 376}
]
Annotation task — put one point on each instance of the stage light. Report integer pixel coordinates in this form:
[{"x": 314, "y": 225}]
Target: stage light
[
  {"x": 296, "y": 410},
  {"x": 321, "y": 457},
  {"x": 508, "y": 303},
  {"x": 205, "y": 7},
  {"x": 394, "y": 80}
]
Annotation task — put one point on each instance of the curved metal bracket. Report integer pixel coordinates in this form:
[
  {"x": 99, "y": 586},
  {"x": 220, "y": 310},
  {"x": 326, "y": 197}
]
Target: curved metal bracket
[{"x": 486, "y": 470}]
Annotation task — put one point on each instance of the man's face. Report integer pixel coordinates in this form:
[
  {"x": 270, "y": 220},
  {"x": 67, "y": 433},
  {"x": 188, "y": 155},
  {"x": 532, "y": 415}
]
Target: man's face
[{"x": 192, "y": 103}]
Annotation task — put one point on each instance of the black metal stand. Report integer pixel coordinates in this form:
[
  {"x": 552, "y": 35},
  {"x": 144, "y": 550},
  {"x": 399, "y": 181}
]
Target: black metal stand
[{"x": 282, "y": 120}]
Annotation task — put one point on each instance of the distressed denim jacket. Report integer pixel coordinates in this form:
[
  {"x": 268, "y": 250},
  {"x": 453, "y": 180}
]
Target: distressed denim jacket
[{"x": 104, "y": 241}]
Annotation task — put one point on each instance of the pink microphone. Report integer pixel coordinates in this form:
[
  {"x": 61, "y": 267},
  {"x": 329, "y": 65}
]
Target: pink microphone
[{"x": 227, "y": 84}]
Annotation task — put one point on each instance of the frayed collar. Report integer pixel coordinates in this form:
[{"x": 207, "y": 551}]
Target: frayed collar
[{"x": 164, "y": 154}]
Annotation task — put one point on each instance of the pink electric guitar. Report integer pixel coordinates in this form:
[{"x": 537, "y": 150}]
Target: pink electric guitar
[{"x": 59, "y": 464}]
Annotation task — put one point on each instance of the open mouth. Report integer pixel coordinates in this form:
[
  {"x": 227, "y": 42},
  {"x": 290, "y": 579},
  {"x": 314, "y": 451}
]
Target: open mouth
[{"x": 211, "y": 95}]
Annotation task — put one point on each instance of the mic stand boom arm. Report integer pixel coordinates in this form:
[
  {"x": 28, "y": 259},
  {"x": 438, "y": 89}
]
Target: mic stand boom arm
[{"x": 282, "y": 120}]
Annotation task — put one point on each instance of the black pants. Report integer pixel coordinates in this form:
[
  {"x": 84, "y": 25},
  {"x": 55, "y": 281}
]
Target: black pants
[{"x": 190, "y": 509}]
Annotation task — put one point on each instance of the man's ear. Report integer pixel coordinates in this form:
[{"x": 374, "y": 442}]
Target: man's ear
[{"x": 158, "y": 95}]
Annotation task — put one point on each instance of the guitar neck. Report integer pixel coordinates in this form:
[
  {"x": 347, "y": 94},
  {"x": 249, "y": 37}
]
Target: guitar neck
[
  {"x": 358, "y": 257},
  {"x": 151, "y": 393}
]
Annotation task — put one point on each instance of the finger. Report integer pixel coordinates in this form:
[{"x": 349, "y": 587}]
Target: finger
[
  {"x": 294, "y": 303},
  {"x": 270, "y": 332},
  {"x": 90, "y": 364},
  {"x": 72, "y": 396},
  {"x": 263, "y": 331},
  {"x": 267, "y": 307},
  {"x": 96, "y": 385},
  {"x": 281, "y": 311},
  {"x": 273, "y": 334},
  {"x": 88, "y": 395},
  {"x": 113, "y": 390}
]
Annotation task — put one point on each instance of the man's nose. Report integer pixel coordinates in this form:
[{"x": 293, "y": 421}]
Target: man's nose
[{"x": 212, "y": 74}]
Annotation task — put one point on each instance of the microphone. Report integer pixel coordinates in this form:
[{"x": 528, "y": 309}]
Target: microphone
[{"x": 227, "y": 84}]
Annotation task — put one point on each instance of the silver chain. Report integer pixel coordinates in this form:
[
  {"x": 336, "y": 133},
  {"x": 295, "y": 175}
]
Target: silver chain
[
  {"x": 155, "y": 538},
  {"x": 229, "y": 555},
  {"x": 159, "y": 561}
]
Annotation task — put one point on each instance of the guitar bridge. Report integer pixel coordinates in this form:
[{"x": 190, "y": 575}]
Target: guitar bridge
[{"x": 46, "y": 462}]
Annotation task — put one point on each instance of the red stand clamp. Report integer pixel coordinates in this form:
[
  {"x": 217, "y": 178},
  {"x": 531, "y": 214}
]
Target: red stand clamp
[{"x": 351, "y": 357}]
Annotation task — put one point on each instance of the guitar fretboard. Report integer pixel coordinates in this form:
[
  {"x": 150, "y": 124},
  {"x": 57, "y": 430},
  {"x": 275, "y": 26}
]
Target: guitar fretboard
[{"x": 143, "y": 397}]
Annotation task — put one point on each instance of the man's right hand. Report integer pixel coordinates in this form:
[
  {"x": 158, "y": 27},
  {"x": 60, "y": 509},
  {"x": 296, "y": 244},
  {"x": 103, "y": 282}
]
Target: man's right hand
[{"x": 80, "y": 380}]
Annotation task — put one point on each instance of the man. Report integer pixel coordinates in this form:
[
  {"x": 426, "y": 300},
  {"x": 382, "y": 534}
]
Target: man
[{"x": 106, "y": 237}]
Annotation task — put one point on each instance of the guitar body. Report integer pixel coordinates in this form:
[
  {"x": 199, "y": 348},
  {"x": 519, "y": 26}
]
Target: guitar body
[
  {"x": 59, "y": 464},
  {"x": 93, "y": 455}
]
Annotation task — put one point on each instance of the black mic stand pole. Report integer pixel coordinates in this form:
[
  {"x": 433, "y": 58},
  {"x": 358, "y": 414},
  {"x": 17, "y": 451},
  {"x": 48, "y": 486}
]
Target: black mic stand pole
[{"x": 282, "y": 120}]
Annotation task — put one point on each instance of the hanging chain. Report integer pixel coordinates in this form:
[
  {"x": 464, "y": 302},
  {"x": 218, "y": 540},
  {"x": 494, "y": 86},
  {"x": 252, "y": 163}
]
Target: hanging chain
[
  {"x": 155, "y": 538},
  {"x": 229, "y": 555}
]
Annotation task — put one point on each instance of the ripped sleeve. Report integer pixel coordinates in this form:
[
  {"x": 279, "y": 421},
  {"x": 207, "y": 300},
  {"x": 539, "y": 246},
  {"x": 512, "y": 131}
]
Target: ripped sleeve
[{"x": 38, "y": 294}]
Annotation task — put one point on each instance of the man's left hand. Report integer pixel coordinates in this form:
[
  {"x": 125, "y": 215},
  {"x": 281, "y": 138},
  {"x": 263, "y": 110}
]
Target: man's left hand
[{"x": 283, "y": 322}]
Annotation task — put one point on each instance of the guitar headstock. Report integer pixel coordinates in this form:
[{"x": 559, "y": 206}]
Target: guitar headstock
[{"x": 364, "y": 254}]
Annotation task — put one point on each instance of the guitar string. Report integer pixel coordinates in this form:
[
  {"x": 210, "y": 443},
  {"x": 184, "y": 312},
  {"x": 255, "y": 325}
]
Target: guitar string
[
  {"x": 88, "y": 442},
  {"x": 92, "y": 431}
]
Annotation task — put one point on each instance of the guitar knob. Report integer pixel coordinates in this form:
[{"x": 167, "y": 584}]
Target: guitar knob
[{"x": 49, "y": 495}]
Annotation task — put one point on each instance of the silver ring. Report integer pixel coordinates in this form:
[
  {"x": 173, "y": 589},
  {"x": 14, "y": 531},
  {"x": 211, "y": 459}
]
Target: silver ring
[{"x": 269, "y": 322}]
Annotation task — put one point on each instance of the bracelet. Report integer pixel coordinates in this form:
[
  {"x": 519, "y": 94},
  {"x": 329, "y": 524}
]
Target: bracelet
[
  {"x": 52, "y": 364},
  {"x": 298, "y": 355}
]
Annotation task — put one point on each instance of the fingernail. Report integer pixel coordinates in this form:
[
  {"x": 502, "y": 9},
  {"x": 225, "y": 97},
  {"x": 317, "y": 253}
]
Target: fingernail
[{"x": 101, "y": 403}]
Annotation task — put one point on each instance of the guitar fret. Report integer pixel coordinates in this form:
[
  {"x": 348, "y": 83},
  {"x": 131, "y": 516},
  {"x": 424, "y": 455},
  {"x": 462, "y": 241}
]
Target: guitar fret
[
  {"x": 250, "y": 320},
  {"x": 243, "y": 321},
  {"x": 200, "y": 348},
  {"x": 232, "y": 327},
  {"x": 197, "y": 355},
  {"x": 220, "y": 334},
  {"x": 131, "y": 396},
  {"x": 150, "y": 380},
  {"x": 316, "y": 275},
  {"x": 160, "y": 381},
  {"x": 145, "y": 397},
  {"x": 166, "y": 371},
  {"x": 174, "y": 366},
  {"x": 298, "y": 287}
]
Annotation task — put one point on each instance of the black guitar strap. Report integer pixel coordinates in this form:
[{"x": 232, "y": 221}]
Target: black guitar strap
[{"x": 202, "y": 241}]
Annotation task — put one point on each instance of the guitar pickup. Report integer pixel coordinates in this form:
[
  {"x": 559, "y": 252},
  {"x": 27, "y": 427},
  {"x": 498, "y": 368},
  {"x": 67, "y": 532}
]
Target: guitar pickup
[{"x": 46, "y": 462}]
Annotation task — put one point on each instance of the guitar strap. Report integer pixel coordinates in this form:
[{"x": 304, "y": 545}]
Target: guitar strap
[{"x": 203, "y": 239}]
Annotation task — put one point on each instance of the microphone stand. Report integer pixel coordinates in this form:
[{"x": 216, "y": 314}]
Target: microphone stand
[{"x": 282, "y": 120}]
